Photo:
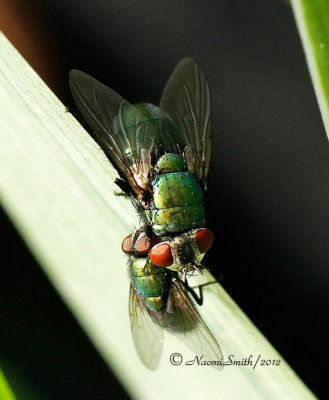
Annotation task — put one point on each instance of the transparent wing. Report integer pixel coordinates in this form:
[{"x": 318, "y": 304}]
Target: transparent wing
[
  {"x": 130, "y": 135},
  {"x": 183, "y": 320},
  {"x": 102, "y": 108},
  {"x": 186, "y": 101},
  {"x": 147, "y": 334}
]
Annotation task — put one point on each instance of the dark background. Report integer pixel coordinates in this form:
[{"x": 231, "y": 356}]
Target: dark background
[{"x": 268, "y": 197}]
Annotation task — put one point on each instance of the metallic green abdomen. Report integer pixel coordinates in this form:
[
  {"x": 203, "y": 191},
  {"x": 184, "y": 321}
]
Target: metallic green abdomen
[
  {"x": 149, "y": 282},
  {"x": 178, "y": 203}
]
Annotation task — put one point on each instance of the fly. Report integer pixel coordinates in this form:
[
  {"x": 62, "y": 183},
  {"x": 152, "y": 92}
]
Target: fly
[
  {"x": 162, "y": 155},
  {"x": 160, "y": 301}
]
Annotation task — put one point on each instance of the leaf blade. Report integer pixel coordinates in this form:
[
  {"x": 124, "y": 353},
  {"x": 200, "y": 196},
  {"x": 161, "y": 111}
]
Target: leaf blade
[
  {"x": 58, "y": 189},
  {"x": 312, "y": 21}
]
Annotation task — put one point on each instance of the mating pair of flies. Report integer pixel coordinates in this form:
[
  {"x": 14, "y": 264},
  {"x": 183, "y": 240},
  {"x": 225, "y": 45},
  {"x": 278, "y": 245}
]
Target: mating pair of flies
[{"x": 162, "y": 155}]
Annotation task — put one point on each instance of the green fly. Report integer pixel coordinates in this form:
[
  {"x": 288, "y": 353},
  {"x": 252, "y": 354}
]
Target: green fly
[
  {"x": 159, "y": 300},
  {"x": 162, "y": 155}
]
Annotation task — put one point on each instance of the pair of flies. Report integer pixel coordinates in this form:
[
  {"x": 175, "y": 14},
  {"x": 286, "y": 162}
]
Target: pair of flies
[{"x": 162, "y": 155}]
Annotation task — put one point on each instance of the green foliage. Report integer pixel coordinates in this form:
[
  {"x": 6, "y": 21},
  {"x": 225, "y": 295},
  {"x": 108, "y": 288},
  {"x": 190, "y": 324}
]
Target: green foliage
[
  {"x": 58, "y": 189},
  {"x": 5, "y": 390},
  {"x": 312, "y": 18}
]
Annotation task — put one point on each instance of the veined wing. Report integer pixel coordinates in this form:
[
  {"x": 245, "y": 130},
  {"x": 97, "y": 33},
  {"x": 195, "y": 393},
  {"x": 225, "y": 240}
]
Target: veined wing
[
  {"x": 186, "y": 101},
  {"x": 183, "y": 320},
  {"x": 101, "y": 107},
  {"x": 148, "y": 336},
  {"x": 130, "y": 135}
]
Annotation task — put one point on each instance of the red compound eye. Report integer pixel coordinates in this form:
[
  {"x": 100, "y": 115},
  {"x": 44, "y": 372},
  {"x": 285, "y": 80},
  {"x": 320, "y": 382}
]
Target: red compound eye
[
  {"x": 127, "y": 244},
  {"x": 161, "y": 255},
  {"x": 204, "y": 239},
  {"x": 143, "y": 245}
]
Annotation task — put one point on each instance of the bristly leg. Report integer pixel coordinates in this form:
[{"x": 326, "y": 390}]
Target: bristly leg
[
  {"x": 142, "y": 215},
  {"x": 186, "y": 273},
  {"x": 121, "y": 194},
  {"x": 124, "y": 186},
  {"x": 198, "y": 299}
]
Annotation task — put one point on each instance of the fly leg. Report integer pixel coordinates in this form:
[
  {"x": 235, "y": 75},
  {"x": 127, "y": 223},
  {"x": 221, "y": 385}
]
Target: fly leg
[
  {"x": 198, "y": 299},
  {"x": 189, "y": 271},
  {"x": 183, "y": 276},
  {"x": 138, "y": 243},
  {"x": 148, "y": 261},
  {"x": 125, "y": 188},
  {"x": 120, "y": 194}
]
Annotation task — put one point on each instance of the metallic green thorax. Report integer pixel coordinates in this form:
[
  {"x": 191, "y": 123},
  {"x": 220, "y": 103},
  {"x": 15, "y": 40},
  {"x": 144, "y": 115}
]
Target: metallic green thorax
[
  {"x": 177, "y": 197},
  {"x": 149, "y": 282}
]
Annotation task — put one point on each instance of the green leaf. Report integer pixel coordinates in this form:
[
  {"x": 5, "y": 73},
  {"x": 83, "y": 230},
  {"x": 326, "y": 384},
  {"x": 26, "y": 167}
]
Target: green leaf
[
  {"x": 58, "y": 188},
  {"x": 5, "y": 390},
  {"x": 312, "y": 17},
  {"x": 19, "y": 383}
]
